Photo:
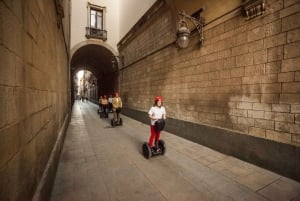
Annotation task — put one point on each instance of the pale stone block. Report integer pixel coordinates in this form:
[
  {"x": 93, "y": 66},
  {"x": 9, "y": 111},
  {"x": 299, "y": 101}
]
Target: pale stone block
[
  {"x": 273, "y": 28},
  {"x": 269, "y": 78},
  {"x": 291, "y": 22},
  {"x": 237, "y": 72},
  {"x": 262, "y": 123},
  {"x": 273, "y": 67},
  {"x": 239, "y": 112},
  {"x": 256, "y": 33},
  {"x": 279, "y": 136},
  {"x": 277, "y": 40},
  {"x": 292, "y": 50},
  {"x": 254, "y": 98},
  {"x": 291, "y": 65},
  {"x": 256, "y": 114},
  {"x": 262, "y": 106},
  {"x": 275, "y": 53},
  {"x": 289, "y": 10},
  {"x": 241, "y": 38},
  {"x": 290, "y": 2},
  {"x": 286, "y": 77},
  {"x": 251, "y": 80},
  {"x": 258, "y": 69},
  {"x": 257, "y": 132},
  {"x": 295, "y": 108},
  {"x": 244, "y": 105},
  {"x": 295, "y": 128},
  {"x": 297, "y": 118},
  {"x": 281, "y": 107},
  {"x": 284, "y": 117},
  {"x": 229, "y": 63},
  {"x": 293, "y": 35},
  {"x": 290, "y": 98},
  {"x": 270, "y": 98},
  {"x": 269, "y": 115},
  {"x": 296, "y": 138},
  {"x": 282, "y": 126},
  {"x": 246, "y": 121},
  {"x": 297, "y": 76},
  {"x": 272, "y": 88},
  {"x": 225, "y": 73},
  {"x": 256, "y": 45},
  {"x": 241, "y": 49},
  {"x": 260, "y": 57},
  {"x": 291, "y": 87},
  {"x": 244, "y": 60}
]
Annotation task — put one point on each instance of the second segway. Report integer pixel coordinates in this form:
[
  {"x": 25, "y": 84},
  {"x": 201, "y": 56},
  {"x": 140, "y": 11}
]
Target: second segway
[{"x": 119, "y": 121}]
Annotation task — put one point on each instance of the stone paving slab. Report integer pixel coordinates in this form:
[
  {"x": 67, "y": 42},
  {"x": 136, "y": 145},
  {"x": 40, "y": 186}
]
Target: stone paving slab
[{"x": 99, "y": 162}]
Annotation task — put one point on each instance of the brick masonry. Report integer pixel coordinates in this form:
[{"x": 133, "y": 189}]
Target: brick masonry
[
  {"x": 244, "y": 79},
  {"x": 34, "y": 93}
]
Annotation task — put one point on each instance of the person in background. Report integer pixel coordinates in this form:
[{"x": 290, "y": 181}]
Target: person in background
[
  {"x": 117, "y": 107},
  {"x": 100, "y": 104},
  {"x": 110, "y": 99},
  {"x": 105, "y": 106}
]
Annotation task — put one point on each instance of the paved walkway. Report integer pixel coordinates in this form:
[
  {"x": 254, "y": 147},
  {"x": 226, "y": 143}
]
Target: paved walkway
[{"x": 99, "y": 162}]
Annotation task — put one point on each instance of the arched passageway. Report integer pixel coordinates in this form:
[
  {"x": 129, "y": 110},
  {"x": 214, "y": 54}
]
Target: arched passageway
[{"x": 103, "y": 66}]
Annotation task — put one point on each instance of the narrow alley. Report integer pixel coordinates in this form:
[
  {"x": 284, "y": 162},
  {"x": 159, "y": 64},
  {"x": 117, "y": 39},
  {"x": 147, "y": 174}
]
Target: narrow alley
[{"x": 99, "y": 162}]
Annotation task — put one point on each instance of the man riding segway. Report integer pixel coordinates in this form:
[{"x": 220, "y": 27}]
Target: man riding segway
[{"x": 117, "y": 107}]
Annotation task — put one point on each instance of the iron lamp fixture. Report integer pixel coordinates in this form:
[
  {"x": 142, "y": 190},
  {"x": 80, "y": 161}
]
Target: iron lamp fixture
[
  {"x": 117, "y": 60},
  {"x": 183, "y": 32}
]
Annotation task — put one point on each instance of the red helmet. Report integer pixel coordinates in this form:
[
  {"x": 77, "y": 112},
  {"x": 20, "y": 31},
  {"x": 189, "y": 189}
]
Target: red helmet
[{"x": 158, "y": 98}]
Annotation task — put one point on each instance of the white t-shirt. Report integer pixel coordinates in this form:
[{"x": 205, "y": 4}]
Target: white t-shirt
[{"x": 157, "y": 113}]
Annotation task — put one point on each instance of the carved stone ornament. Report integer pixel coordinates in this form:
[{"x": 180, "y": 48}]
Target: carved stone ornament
[{"x": 253, "y": 8}]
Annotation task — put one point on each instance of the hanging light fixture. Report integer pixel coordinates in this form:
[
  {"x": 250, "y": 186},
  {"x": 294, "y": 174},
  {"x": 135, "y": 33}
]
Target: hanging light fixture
[{"x": 183, "y": 32}]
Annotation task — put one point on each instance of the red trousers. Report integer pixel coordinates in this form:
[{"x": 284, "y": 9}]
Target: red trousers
[{"x": 152, "y": 136}]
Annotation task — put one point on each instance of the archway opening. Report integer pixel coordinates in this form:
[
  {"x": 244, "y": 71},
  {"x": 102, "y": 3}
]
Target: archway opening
[{"x": 100, "y": 73}]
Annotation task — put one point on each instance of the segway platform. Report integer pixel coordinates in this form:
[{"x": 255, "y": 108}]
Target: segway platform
[
  {"x": 159, "y": 149},
  {"x": 116, "y": 123}
]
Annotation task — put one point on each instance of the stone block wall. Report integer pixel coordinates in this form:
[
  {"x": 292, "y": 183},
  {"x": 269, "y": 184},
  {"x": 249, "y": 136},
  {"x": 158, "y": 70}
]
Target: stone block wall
[
  {"x": 245, "y": 78},
  {"x": 34, "y": 93},
  {"x": 239, "y": 93}
]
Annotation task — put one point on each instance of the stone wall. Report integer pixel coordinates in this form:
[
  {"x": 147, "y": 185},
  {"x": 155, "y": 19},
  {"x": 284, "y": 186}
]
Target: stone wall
[
  {"x": 245, "y": 79},
  {"x": 34, "y": 93}
]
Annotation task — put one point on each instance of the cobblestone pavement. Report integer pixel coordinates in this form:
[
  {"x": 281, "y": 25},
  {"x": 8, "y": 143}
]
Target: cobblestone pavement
[{"x": 99, "y": 162}]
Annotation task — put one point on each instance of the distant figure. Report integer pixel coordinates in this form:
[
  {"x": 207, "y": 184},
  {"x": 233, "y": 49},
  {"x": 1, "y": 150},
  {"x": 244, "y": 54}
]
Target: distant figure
[{"x": 117, "y": 107}]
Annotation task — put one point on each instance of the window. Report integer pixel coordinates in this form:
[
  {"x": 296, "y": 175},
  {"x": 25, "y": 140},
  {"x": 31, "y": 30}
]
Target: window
[
  {"x": 96, "y": 26},
  {"x": 96, "y": 19}
]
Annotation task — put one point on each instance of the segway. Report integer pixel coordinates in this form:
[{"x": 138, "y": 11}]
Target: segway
[
  {"x": 119, "y": 121},
  {"x": 104, "y": 113},
  {"x": 159, "y": 147}
]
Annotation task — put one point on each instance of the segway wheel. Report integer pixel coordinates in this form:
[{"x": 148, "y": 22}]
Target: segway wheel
[
  {"x": 112, "y": 122},
  {"x": 147, "y": 150},
  {"x": 162, "y": 146},
  {"x": 121, "y": 122}
]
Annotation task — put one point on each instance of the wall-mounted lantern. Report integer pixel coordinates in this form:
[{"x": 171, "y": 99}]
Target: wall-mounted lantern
[
  {"x": 117, "y": 60},
  {"x": 183, "y": 32}
]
